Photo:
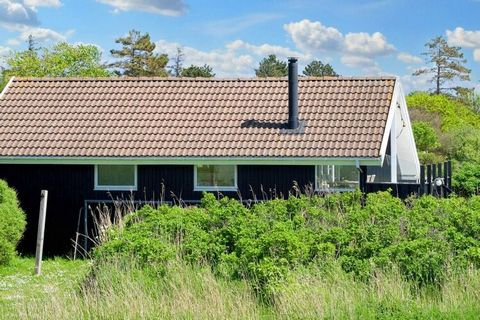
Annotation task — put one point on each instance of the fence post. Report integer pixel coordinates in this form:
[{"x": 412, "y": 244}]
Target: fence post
[
  {"x": 422, "y": 180},
  {"x": 442, "y": 188},
  {"x": 429, "y": 178},
  {"x": 434, "y": 175},
  {"x": 41, "y": 231},
  {"x": 449, "y": 166}
]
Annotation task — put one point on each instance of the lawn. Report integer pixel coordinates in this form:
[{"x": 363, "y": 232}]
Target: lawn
[{"x": 19, "y": 286}]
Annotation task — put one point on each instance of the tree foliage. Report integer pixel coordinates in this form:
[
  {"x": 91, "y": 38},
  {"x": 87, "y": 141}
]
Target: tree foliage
[
  {"x": 193, "y": 71},
  {"x": 61, "y": 60},
  {"x": 137, "y": 57},
  {"x": 317, "y": 68},
  {"x": 446, "y": 63},
  {"x": 271, "y": 66}
]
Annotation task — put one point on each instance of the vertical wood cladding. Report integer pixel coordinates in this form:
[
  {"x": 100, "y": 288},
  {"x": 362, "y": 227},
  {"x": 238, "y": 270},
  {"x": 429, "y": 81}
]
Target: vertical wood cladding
[{"x": 70, "y": 185}]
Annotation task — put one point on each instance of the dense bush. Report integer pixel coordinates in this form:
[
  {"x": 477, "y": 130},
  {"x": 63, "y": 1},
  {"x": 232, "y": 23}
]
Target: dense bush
[
  {"x": 425, "y": 136},
  {"x": 12, "y": 222},
  {"x": 466, "y": 180},
  {"x": 453, "y": 113},
  {"x": 424, "y": 238}
]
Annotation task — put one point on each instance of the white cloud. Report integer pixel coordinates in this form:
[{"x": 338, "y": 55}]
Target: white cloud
[
  {"x": 43, "y": 34},
  {"x": 368, "y": 65},
  {"x": 4, "y": 51},
  {"x": 314, "y": 36},
  {"x": 415, "y": 83},
  {"x": 476, "y": 55},
  {"x": 408, "y": 58},
  {"x": 13, "y": 42},
  {"x": 43, "y": 3},
  {"x": 39, "y": 34},
  {"x": 237, "y": 58},
  {"x": 14, "y": 12},
  {"x": 225, "y": 62},
  {"x": 369, "y": 45},
  {"x": 164, "y": 7},
  {"x": 357, "y": 49},
  {"x": 463, "y": 38},
  {"x": 266, "y": 49}
]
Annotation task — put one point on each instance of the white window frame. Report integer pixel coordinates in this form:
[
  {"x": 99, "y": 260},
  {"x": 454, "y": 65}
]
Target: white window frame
[
  {"x": 116, "y": 188},
  {"x": 196, "y": 187},
  {"x": 317, "y": 189}
]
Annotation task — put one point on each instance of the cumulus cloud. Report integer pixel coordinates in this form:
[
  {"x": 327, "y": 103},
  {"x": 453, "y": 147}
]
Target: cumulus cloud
[
  {"x": 415, "y": 83},
  {"x": 476, "y": 55},
  {"x": 225, "y": 62},
  {"x": 357, "y": 49},
  {"x": 408, "y": 58},
  {"x": 43, "y": 34},
  {"x": 14, "y": 12},
  {"x": 42, "y": 3},
  {"x": 163, "y": 7},
  {"x": 266, "y": 49},
  {"x": 236, "y": 58},
  {"x": 368, "y": 65},
  {"x": 13, "y": 42},
  {"x": 313, "y": 36},
  {"x": 367, "y": 45},
  {"x": 465, "y": 38}
]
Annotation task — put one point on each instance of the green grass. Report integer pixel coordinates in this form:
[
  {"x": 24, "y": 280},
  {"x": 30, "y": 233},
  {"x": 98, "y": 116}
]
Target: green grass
[
  {"x": 120, "y": 290},
  {"x": 19, "y": 286}
]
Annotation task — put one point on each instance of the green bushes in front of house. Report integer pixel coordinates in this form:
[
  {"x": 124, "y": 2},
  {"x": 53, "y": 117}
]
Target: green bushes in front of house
[
  {"x": 424, "y": 238},
  {"x": 12, "y": 222}
]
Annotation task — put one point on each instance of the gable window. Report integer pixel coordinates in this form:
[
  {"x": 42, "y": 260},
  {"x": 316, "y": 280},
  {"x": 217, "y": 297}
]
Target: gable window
[
  {"x": 336, "y": 178},
  {"x": 116, "y": 177},
  {"x": 215, "y": 178}
]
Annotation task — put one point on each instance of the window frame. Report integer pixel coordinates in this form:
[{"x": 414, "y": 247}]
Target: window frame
[
  {"x": 196, "y": 187},
  {"x": 317, "y": 189},
  {"x": 98, "y": 187}
]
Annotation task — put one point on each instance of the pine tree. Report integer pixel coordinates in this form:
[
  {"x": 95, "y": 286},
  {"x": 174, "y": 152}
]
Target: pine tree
[
  {"x": 446, "y": 63},
  {"x": 177, "y": 65},
  {"x": 32, "y": 44},
  {"x": 316, "y": 68},
  {"x": 271, "y": 67},
  {"x": 137, "y": 57}
]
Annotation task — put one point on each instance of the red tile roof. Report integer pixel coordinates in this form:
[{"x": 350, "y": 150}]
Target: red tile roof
[{"x": 192, "y": 117}]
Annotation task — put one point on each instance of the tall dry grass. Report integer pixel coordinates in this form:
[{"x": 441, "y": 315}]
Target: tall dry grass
[{"x": 119, "y": 290}]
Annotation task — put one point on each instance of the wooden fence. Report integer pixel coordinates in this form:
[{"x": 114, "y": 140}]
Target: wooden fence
[{"x": 436, "y": 179}]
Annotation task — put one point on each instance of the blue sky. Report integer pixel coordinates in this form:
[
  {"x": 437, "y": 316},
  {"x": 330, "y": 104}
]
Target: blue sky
[{"x": 357, "y": 37}]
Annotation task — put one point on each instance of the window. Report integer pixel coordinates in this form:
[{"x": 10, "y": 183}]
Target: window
[
  {"x": 115, "y": 177},
  {"x": 215, "y": 178},
  {"x": 336, "y": 178}
]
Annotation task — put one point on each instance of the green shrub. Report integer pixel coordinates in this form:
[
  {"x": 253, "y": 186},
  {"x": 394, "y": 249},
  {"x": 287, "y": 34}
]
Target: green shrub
[
  {"x": 454, "y": 114},
  {"x": 12, "y": 222},
  {"x": 466, "y": 179},
  {"x": 267, "y": 243},
  {"x": 425, "y": 136}
]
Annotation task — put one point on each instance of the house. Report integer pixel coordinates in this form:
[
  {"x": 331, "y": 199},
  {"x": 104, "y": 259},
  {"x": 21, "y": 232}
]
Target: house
[{"x": 94, "y": 139}]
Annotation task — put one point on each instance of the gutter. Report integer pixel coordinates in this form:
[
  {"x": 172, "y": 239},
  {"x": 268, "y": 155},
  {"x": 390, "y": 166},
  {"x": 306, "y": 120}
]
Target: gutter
[{"x": 192, "y": 160}]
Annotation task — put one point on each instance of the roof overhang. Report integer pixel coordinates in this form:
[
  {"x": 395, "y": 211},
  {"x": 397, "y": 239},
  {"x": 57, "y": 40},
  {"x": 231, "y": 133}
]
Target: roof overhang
[{"x": 191, "y": 160}]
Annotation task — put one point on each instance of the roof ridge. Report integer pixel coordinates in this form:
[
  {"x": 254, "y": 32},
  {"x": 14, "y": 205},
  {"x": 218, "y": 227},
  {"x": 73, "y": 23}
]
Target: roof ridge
[{"x": 190, "y": 79}]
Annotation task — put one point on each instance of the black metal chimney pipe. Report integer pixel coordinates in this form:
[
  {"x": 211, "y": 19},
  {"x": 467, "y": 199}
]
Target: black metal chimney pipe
[{"x": 292, "y": 93}]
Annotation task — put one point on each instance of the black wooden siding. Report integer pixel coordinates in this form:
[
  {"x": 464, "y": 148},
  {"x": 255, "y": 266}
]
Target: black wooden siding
[{"x": 70, "y": 185}]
